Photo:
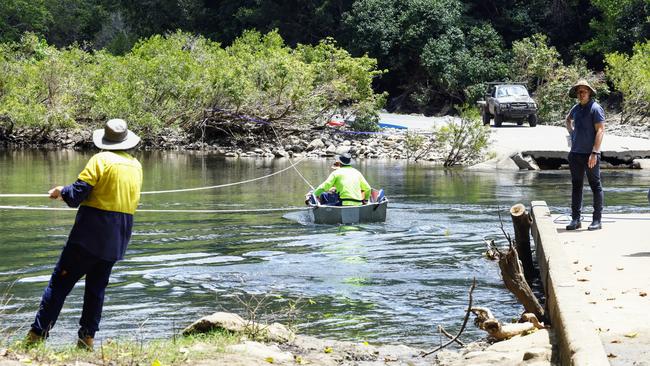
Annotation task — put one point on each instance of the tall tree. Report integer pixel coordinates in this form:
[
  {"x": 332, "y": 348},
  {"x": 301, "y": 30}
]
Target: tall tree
[
  {"x": 298, "y": 21},
  {"x": 565, "y": 22},
  {"x": 620, "y": 25},
  {"x": 18, "y": 16},
  {"x": 75, "y": 21},
  {"x": 431, "y": 53}
]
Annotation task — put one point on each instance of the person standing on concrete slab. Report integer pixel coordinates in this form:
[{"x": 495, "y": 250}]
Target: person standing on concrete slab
[{"x": 586, "y": 125}]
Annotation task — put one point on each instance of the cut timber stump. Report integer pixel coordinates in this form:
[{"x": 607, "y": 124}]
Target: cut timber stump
[{"x": 521, "y": 222}]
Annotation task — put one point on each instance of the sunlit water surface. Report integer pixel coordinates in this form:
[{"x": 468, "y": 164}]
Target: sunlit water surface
[{"x": 385, "y": 283}]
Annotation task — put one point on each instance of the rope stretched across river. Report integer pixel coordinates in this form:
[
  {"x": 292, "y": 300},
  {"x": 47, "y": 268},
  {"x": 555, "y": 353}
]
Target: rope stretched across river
[
  {"x": 293, "y": 164},
  {"x": 253, "y": 210}
]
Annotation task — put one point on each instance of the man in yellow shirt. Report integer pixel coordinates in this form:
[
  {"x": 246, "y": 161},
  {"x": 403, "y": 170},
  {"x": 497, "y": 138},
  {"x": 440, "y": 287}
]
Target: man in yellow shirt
[
  {"x": 107, "y": 193},
  {"x": 345, "y": 185}
]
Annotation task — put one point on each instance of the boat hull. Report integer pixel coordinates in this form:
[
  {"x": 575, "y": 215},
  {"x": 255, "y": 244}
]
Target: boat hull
[{"x": 333, "y": 215}]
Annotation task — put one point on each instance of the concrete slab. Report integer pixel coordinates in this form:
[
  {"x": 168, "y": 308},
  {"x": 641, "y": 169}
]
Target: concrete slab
[
  {"x": 610, "y": 273},
  {"x": 549, "y": 142},
  {"x": 552, "y": 142},
  {"x": 578, "y": 342}
]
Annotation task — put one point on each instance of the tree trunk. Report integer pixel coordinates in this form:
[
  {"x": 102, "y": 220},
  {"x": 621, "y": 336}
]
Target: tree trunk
[
  {"x": 514, "y": 279},
  {"x": 521, "y": 222}
]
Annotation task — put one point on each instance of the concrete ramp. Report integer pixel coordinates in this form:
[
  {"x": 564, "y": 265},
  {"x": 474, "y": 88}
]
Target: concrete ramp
[
  {"x": 545, "y": 143},
  {"x": 553, "y": 140}
]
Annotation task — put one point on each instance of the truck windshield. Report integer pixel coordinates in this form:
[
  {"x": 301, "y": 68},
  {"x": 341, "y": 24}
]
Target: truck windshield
[{"x": 511, "y": 90}]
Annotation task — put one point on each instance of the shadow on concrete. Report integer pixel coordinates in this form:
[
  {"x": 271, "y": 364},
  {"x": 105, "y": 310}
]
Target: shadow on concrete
[
  {"x": 639, "y": 254},
  {"x": 511, "y": 125}
]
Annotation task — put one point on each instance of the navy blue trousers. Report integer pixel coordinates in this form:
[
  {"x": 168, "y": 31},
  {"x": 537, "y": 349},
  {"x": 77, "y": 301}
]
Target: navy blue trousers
[
  {"x": 578, "y": 166},
  {"x": 330, "y": 199},
  {"x": 73, "y": 264}
]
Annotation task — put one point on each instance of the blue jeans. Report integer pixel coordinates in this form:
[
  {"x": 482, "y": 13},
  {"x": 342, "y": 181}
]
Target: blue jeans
[
  {"x": 578, "y": 166},
  {"x": 73, "y": 264}
]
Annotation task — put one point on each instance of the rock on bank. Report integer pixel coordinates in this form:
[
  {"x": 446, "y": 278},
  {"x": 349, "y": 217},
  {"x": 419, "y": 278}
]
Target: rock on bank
[{"x": 276, "y": 344}]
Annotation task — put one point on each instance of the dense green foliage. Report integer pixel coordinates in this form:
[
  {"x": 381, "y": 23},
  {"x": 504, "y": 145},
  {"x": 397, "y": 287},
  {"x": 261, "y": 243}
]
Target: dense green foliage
[
  {"x": 18, "y": 16},
  {"x": 169, "y": 81},
  {"x": 540, "y": 66},
  {"x": 432, "y": 54},
  {"x": 437, "y": 53},
  {"x": 622, "y": 24},
  {"x": 631, "y": 75}
]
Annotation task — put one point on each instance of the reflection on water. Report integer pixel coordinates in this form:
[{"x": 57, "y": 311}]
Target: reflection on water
[{"x": 392, "y": 282}]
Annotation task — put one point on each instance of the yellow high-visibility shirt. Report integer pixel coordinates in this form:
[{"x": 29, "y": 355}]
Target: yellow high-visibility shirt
[
  {"x": 349, "y": 184},
  {"x": 116, "y": 178}
]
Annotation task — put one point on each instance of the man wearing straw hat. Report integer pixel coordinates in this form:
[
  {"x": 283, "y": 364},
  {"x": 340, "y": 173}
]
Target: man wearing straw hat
[
  {"x": 586, "y": 125},
  {"x": 107, "y": 193}
]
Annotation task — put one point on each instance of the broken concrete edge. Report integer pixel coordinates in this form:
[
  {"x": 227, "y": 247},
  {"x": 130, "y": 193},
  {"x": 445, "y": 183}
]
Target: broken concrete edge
[
  {"x": 514, "y": 162},
  {"x": 641, "y": 163},
  {"x": 578, "y": 341},
  {"x": 551, "y": 160}
]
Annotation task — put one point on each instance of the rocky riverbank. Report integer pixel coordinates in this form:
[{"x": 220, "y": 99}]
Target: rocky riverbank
[
  {"x": 312, "y": 142},
  {"x": 283, "y": 347},
  {"x": 321, "y": 142}
]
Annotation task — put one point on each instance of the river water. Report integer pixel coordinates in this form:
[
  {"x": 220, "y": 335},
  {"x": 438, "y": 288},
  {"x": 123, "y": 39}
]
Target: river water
[{"x": 382, "y": 283}]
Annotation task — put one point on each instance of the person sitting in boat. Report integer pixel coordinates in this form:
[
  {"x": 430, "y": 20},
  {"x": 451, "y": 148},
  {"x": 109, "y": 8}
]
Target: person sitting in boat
[{"x": 345, "y": 186}]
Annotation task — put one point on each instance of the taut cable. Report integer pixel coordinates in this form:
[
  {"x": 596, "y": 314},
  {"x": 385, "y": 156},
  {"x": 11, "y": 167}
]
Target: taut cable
[
  {"x": 254, "y": 210},
  {"x": 293, "y": 164}
]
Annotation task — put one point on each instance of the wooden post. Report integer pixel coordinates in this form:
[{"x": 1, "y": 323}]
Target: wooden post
[
  {"x": 515, "y": 281},
  {"x": 521, "y": 222}
]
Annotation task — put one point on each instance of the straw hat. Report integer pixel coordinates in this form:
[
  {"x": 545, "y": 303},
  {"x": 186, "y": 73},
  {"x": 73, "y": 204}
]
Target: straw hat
[
  {"x": 573, "y": 92},
  {"x": 115, "y": 136}
]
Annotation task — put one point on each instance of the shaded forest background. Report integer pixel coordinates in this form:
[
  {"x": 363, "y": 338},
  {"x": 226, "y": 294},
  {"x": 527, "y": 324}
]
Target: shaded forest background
[{"x": 433, "y": 54}]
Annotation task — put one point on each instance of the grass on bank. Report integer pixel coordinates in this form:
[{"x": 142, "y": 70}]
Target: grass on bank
[{"x": 176, "y": 351}]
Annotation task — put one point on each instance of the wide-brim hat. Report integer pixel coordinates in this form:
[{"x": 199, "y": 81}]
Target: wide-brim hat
[
  {"x": 115, "y": 136},
  {"x": 573, "y": 92},
  {"x": 344, "y": 159}
]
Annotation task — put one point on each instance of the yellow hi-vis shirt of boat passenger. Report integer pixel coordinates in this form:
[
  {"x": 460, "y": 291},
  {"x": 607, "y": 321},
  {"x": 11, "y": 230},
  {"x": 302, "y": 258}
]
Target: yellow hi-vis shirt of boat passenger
[
  {"x": 116, "y": 178},
  {"x": 349, "y": 184}
]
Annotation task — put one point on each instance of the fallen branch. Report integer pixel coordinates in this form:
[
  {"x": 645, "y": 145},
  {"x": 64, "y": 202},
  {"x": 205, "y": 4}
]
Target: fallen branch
[
  {"x": 498, "y": 331},
  {"x": 462, "y": 328},
  {"x": 442, "y": 330},
  {"x": 513, "y": 277}
]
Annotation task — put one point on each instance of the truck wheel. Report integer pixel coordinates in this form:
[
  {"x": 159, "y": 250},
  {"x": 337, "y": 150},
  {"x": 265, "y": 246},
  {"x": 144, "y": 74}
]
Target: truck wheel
[
  {"x": 498, "y": 119},
  {"x": 486, "y": 117},
  {"x": 519, "y": 123},
  {"x": 532, "y": 120}
]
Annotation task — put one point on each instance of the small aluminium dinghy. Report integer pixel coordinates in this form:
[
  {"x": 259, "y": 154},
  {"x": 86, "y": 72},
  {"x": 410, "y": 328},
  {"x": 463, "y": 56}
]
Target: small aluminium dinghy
[{"x": 373, "y": 211}]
